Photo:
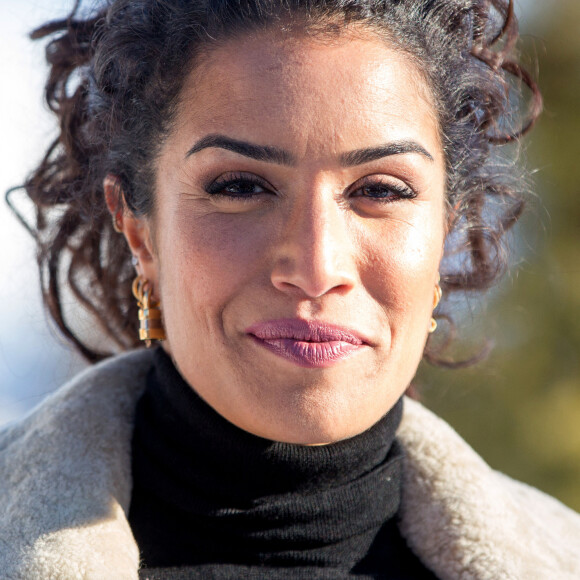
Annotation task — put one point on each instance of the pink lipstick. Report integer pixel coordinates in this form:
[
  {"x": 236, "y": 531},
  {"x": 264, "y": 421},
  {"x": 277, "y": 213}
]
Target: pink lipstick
[{"x": 307, "y": 343}]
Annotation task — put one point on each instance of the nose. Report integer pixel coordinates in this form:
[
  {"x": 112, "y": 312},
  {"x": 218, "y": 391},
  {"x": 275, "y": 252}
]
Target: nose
[{"x": 315, "y": 252}]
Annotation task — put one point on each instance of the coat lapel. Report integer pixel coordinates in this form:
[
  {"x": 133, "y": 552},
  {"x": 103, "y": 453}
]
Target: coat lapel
[
  {"x": 466, "y": 521},
  {"x": 65, "y": 481}
]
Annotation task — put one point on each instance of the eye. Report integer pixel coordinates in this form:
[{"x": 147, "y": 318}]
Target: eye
[
  {"x": 381, "y": 190},
  {"x": 238, "y": 186}
]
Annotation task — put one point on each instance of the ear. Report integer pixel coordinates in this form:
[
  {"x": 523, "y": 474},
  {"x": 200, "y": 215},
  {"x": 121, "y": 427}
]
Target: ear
[
  {"x": 453, "y": 213},
  {"x": 137, "y": 230}
]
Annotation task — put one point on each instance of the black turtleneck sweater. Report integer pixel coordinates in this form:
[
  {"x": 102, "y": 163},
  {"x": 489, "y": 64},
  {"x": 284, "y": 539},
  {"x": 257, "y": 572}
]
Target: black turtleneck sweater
[{"x": 213, "y": 501}]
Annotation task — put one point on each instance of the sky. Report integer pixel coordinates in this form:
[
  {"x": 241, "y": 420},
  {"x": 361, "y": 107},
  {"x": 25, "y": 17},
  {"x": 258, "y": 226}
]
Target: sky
[{"x": 33, "y": 361}]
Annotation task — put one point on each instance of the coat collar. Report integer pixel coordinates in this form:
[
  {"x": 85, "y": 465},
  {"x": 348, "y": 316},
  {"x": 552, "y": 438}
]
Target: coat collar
[
  {"x": 465, "y": 520},
  {"x": 65, "y": 487}
]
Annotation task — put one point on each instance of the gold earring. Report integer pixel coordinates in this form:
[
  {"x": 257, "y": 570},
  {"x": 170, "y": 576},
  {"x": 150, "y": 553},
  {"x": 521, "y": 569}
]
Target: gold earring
[
  {"x": 436, "y": 300},
  {"x": 150, "y": 322}
]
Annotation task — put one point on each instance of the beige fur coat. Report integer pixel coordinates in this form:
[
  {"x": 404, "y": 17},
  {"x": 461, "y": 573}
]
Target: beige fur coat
[{"x": 65, "y": 487}]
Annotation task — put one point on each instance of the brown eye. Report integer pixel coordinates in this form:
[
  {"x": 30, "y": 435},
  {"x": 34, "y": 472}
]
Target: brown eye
[
  {"x": 241, "y": 186},
  {"x": 384, "y": 192}
]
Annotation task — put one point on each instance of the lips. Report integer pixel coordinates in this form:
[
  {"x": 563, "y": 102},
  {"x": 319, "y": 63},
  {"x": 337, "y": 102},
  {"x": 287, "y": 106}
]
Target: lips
[{"x": 310, "y": 344}]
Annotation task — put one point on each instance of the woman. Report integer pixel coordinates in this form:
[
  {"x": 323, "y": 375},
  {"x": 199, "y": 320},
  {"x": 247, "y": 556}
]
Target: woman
[{"x": 284, "y": 187}]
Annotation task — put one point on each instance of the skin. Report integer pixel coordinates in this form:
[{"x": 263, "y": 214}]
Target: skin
[{"x": 313, "y": 241}]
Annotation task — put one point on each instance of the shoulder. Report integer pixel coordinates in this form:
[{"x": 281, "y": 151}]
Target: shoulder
[
  {"x": 66, "y": 466},
  {"x": 469, "y": 521},
  {"x": 108, "y": 389}
]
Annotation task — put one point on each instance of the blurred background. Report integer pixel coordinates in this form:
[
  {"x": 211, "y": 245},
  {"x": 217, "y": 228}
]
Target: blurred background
[{"x": 520, "y": 409}]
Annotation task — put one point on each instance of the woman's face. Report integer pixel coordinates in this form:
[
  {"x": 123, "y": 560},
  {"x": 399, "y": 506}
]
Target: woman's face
[{"x": 297, "y": 234}]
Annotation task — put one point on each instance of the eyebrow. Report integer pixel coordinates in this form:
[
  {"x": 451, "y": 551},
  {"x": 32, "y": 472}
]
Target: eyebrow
[
  {"x": 360, "y": 156},
  {"x": 282, "y": 157},
  {"x": 258, "y": 152}
]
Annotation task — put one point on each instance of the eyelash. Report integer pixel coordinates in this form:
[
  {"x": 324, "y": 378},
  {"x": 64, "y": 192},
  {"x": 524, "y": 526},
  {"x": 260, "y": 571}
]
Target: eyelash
[
  {"x": 401, "y": 191},
  {"x": 218, "y": 188}
]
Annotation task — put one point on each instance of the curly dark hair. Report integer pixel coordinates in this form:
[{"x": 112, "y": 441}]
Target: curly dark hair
[{"x": 115, "y": 79}]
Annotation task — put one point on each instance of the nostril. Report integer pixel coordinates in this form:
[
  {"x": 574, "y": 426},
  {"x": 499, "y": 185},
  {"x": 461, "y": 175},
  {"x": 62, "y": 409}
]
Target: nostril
[{"x": 312, "y": 281}]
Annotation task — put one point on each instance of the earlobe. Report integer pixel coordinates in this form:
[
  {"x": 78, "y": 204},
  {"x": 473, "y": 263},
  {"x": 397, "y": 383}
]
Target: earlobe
[
  {"x": 138, "y": 235},
  {"x": 135, "y": 229}
]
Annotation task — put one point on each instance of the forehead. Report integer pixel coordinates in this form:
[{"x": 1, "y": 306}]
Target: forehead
[{"x": 311, "y": 93}]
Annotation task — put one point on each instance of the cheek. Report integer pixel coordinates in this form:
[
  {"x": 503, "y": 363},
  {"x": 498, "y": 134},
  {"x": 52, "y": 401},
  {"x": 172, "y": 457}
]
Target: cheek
[
  {"x": 402, "y": 260},
  {"x": 208, "y": 258}
]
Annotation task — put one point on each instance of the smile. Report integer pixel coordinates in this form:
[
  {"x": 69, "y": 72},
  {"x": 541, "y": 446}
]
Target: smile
[{"x": 309, "y": 344}]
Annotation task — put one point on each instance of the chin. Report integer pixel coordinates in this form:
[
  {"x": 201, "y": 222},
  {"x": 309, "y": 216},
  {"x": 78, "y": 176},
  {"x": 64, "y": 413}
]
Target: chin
[{"x": 316, "y": 418}]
